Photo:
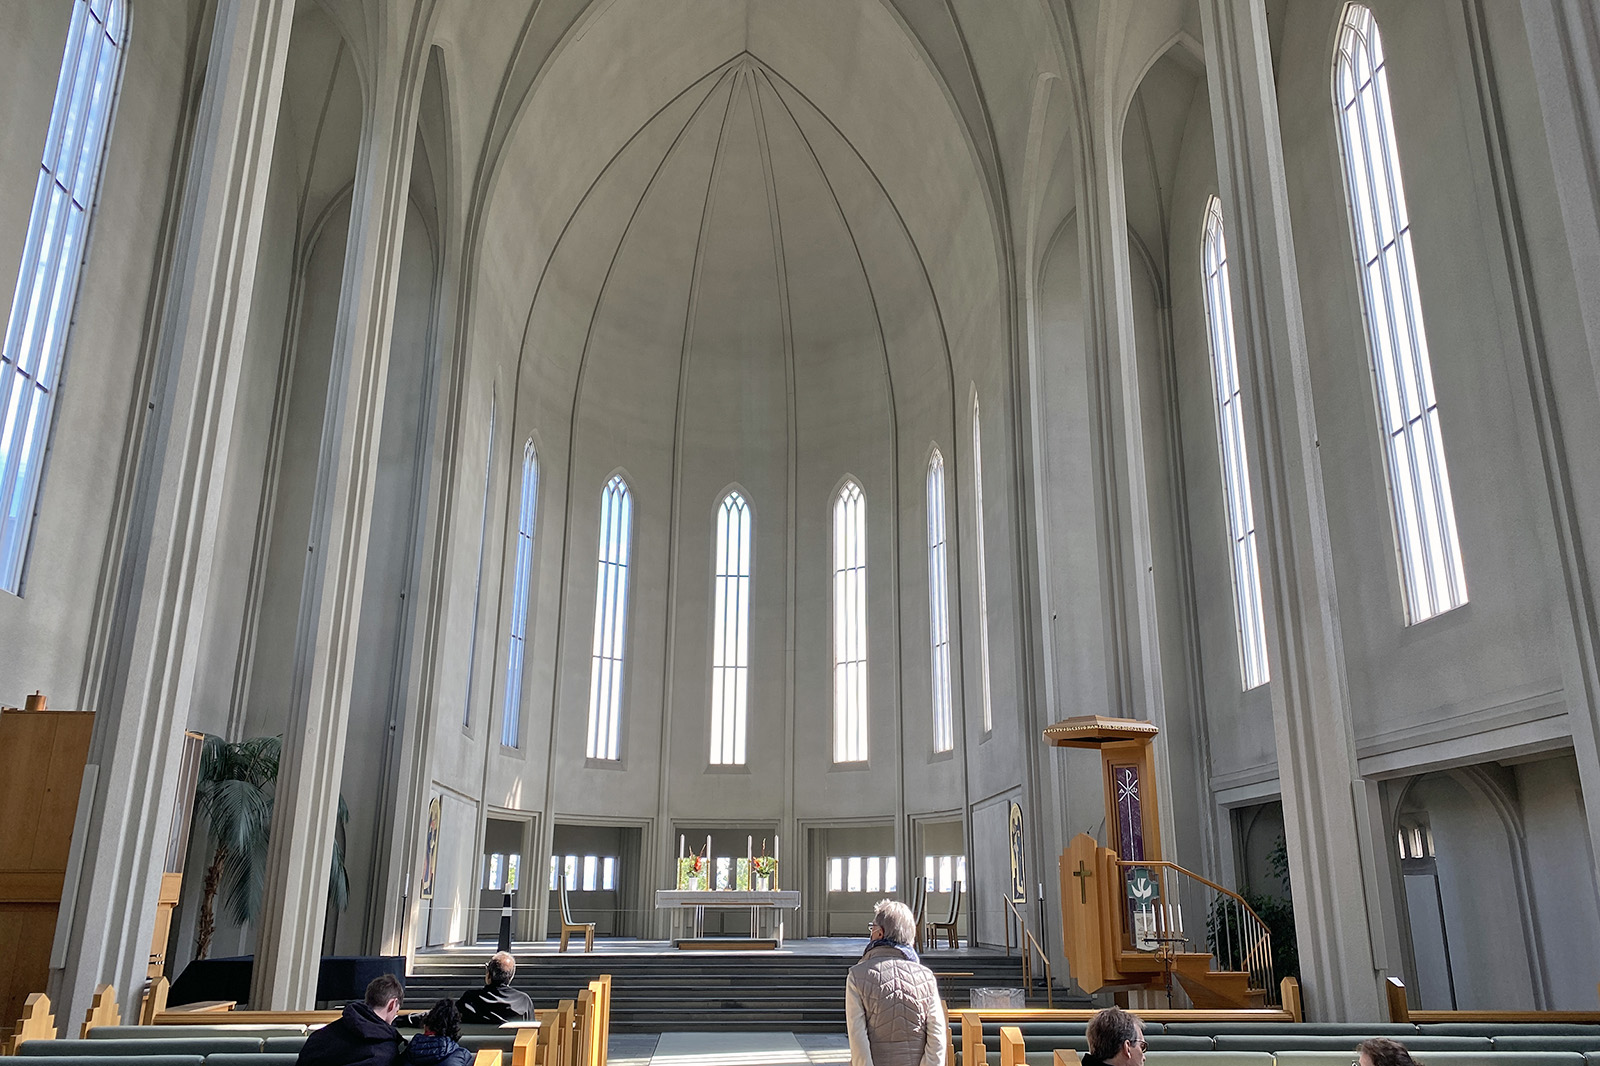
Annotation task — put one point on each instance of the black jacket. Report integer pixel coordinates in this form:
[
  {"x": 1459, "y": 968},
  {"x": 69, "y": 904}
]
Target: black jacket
[
  {"x": 358, "y": 1038},
  {"x": 431, "y": 1050},
  {"x": 493, "y": 1004}
]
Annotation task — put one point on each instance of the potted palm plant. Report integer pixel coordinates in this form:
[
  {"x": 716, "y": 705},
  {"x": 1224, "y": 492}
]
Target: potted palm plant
[{"x": 237, "y": 782}]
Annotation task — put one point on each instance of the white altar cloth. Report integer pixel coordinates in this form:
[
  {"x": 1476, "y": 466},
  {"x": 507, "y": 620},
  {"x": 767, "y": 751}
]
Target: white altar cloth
[{"x": 682, "y": 901}]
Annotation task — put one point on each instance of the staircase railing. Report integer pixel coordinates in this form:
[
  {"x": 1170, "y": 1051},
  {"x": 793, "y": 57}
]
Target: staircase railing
[
  {"x": 1160, "y": 894},
  {"x": 1029, "y": 946}
]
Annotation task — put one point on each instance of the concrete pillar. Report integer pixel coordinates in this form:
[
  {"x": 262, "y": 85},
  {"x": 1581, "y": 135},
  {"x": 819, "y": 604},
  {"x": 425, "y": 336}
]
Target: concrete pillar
[
  {"x": 1323, "y": 799},
  {"x": 147, "y": 679},
  {"x": 289, "y": 942},
  {"x": 1560, "y": 366}
]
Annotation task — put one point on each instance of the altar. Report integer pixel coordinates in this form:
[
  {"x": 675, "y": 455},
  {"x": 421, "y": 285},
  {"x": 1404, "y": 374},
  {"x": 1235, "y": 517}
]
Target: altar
[{"x": 688, "y": 906}]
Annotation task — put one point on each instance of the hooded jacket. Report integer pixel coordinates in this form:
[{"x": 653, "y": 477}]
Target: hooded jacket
[
  {"x": 892, "y": 1009},
  {"x": 431, "y": 1050},
  {"x": 358, "y": 1038}
]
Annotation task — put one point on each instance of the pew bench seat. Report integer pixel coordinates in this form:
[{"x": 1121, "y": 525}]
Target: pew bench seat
[
  {"x": 1547, "y": 1042},
  {"x": 196, "y": 1047},
  {"x": 1444, "y": 1058},
  {"x": 1345, "y": 1044},
  {"x": 261, "y": 1058},
  {"x": 118, "y": 1060},
  {"x": 172, "y": 1033},
  {"x": 1360, "y": 1030}
]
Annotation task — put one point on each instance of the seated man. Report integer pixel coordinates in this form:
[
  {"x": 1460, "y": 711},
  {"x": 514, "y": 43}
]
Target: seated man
[
  {"x": 1116, "y": 1038},
  {"x": 365, "y": 1035},
  {"x": 496, "y": 1001}
]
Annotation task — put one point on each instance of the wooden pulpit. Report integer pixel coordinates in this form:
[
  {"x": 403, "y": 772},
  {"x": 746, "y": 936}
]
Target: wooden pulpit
[
  {"x": 1122, "y": 905},
  {"x": 1092, "y": 882}
]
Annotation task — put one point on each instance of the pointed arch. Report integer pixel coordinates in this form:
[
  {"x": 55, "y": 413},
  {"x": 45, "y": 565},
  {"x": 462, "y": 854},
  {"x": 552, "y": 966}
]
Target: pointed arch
[
  {"x": 730, "y": 629},
  {"x": 1432, "y": 572},
  {"x": 610, "y": 620},
  {"x": 850, "y": 703}
]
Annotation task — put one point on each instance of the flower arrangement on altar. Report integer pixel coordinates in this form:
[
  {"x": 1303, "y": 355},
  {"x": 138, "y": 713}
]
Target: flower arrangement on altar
[{"x": 695, "y": 867}]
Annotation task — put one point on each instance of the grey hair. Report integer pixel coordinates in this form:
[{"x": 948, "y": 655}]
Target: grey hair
[
  {"x": 502, "y": 966},
  {"x": 1109, "y": 1030},
  {"x": 896, "y": 921}
]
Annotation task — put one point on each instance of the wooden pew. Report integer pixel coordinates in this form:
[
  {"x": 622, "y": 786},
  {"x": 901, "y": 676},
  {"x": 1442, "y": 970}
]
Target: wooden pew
[
  {"x": 489, "y": 1056},
  {"x": 1013, "y": 1052},
  {"x": 226, "y": 1016},
  {"x": 37, "y": 1022},
  {"x": 974, "y": 1050},
  {"x": 102, "y": 1010},
  {"x": 1399, "y": 1011},
  {"x": 154, "y": 1000},
  {"x": 1065, "y": 1056}
]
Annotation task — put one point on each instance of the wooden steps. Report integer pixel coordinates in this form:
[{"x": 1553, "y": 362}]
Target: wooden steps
[{"x": 1212, "y": 989}]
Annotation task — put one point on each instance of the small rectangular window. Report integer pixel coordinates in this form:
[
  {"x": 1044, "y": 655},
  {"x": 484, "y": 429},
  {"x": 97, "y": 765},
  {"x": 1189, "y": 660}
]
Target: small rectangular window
[
  {"x": 853, "y": 874},
  {"x": 513, "y": 864},
  {"x": 608, "y": 873},
  {"x": 890, "y": 881},
  {"x": 873, "y": 873},
  {"x": 961, "y": 869},
  {"x": 836, "y": 875},
  {"x": 571, "y": 873},
  {"x": 495, "y": 872},
  {"x": 724, "y": 873},
  {"x": 555, "y": 872},
  {"x": 591, "y": 873},
  {"x": 929, "y": 867},
  {"x": 946, "y": 874}
]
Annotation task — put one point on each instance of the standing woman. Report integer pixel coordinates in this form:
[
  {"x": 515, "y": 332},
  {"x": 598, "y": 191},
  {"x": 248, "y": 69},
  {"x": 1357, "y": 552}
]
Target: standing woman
[
  {"x": 441, "y": 1028},
  {"x": 891, "y": 1000}
]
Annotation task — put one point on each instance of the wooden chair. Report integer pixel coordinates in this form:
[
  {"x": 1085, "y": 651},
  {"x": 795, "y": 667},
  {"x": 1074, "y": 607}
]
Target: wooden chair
[
  {"x": 568, "y": 926},
  {"x": 949, "y": 924},
  {"x": 919, "y": 907}
]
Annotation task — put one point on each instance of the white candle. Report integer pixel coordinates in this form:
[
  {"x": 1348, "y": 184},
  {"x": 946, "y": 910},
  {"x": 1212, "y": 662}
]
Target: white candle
[{"x": 680, "y": 845}]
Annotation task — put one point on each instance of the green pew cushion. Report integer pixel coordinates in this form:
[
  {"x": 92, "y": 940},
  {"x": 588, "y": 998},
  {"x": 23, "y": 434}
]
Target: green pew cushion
[
  {"x": 259, "y": 1059},
  {"x": 1208, "y": 1058},
  {"x": 196, "y": 1046},
  {"x": 1399, "y": 1030},
  {"x": 284, "y": 1045},
  {"x": 1544, "y": 1042},
  {"x": 500, "y": 1041},
  {"x": 1509, "y": 1028},
  {"x": 119, "y": 1060},
  {"x": 1346, "y": 1043},
  {"x": 1443, "y": 1058},
  {"x": 173, "y": 1033}
]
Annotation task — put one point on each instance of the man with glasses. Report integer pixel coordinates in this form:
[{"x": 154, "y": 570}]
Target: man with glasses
[
  {"x": 1116, "y": 1038},
  {"x": 891, "y": 1000}
]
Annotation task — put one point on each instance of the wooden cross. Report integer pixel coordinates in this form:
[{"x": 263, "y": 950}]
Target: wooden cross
[{"x": 1082, "y": 873}]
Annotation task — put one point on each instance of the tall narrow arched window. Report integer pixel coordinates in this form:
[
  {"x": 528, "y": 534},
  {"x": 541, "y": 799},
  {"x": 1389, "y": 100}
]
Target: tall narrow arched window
[
  {"x": 983, "y": 572},
  {"x": 1408, "y": 412},
  {"x": 730, "y": 631},
  {"x": 52, "y": 257},
  {"x": 1230, "y": 442},
  {"x": 850, "y": 624},
  {"x": 939, "y": 608},
  {"x": 610, "y": 621},
  {"x": 511, "y": 717}
]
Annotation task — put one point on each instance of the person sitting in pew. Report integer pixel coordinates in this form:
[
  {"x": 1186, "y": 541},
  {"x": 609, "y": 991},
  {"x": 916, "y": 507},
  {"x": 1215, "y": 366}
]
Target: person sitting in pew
[
  {"x": 1381, "y": 1051},
  {"x": 1116, "y": 1038},
  {"x": 496, "y": 1001},
  {"x": 437, "y": 1046},
  {"x": 364, "y": 1035}
]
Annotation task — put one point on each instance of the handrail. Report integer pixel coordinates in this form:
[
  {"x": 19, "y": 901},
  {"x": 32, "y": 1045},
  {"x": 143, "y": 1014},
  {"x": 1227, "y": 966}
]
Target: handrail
[
  {"x": 1237, "y": 936},
  {"x": 1027, "y": 958},
  {"x": 1162, "y": 863}
]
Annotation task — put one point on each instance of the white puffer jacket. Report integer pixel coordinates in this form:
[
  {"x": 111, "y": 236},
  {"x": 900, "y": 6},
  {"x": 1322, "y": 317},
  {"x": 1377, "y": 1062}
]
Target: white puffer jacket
[{"x": 892, "y": 1007}]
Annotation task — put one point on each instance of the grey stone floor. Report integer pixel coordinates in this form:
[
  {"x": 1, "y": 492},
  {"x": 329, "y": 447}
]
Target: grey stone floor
[{"x": 728, "y": 1049}]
